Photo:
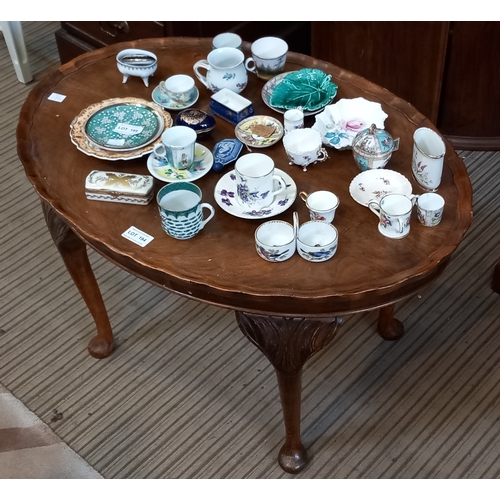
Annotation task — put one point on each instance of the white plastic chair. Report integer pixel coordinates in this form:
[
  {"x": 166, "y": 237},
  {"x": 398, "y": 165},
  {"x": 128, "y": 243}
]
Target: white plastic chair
[{"x": 13, "y": 34}]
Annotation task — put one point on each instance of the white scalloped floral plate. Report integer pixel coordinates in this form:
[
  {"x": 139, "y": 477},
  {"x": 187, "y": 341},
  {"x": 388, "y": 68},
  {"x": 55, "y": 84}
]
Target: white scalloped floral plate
[
  {"x": 374, "y": 184},
  {"x": 339, "y": 123}
]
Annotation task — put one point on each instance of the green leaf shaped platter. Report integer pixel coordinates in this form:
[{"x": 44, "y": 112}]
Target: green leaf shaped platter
[{"x": 310, "y": 89}]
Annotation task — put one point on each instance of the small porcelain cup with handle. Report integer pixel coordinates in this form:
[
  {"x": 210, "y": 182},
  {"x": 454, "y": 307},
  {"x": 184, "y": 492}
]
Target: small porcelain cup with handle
[
  {"x": 275, "y": 240},
  {"x": 394, "y": 211},
  {"x": 177, "y": 146},
  {"x": 428, "y": 158},
  {"x": 227, "y": 40},
  {"x": 304, "y": 146},
  {"x": 256, "y": 182},
  {"x": 430, "y": 207},
  {"x": 293, "y": 119},
  {"x": 268, "y": 57},
  {"x": 321, "y": 204},
  {"x": 224, "y": 70},
  {"x": 317, "y": 241},
  {"x": 178, "y": 87},
  {"x": 181, "y": 210}
]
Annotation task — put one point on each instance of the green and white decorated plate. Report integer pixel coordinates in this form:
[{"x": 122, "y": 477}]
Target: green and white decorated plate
[{"x": 124, "y": 126}]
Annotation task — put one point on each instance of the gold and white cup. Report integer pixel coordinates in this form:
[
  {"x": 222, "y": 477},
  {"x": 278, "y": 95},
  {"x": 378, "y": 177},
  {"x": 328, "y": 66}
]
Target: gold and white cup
[
  {"x": 428, "y": 158},
  {"x": 394, "y": 212},
  {"x": 430, "y": 207},
  {"x": 322, "y": 205}
]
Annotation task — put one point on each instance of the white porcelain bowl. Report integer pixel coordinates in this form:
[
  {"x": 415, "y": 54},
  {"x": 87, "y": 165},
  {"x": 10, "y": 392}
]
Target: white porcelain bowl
[
  {"x": 317, "y": 241},
  {"x": 275, "y": 240}
]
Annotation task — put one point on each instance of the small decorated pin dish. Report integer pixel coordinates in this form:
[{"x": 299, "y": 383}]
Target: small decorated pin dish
[{"x": 197, "y": 119}]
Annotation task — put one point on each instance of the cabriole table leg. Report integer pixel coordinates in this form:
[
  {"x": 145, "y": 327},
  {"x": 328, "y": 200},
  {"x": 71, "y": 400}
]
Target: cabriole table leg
[
  {"x": 74, "y": 253},
  {"x": 288, "y": 343},
  {"x": 389, "y": 328}
]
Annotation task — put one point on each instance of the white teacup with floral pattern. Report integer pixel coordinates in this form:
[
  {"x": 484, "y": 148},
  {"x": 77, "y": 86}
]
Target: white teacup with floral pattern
[
  {"x": 394, "y": 212},
  {"x": 303, "y": 146},
  {"x": 275, "y": 240},
  {"x": 256, "y": 182}
]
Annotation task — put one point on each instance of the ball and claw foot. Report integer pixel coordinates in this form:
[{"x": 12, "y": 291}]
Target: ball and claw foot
[
  {"x": 391, "y": 330},
  {"x": 292, "y": 461},
  {"x": 99, "y": 348}
]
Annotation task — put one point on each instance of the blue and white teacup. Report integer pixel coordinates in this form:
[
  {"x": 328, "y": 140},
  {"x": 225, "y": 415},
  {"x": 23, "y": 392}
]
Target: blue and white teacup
[
  {"x": 256, "y": 181},
  {"x": 181, "y": 210}
]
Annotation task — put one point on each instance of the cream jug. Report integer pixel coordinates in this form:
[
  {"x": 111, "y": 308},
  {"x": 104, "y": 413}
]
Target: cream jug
[{"x": 224, "y": 69}]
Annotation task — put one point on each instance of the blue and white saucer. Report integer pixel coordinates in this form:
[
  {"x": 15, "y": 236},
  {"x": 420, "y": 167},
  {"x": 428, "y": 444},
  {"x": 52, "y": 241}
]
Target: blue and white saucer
[
  {"x": 165, "y": 102},
  {"x": 160, "y": 168},
  {"x": 225, "y": 196}
]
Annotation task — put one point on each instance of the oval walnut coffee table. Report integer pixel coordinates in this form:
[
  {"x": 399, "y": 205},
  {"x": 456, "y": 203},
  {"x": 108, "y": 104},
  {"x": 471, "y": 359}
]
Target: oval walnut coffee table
[{"x": 289, "y": 310}]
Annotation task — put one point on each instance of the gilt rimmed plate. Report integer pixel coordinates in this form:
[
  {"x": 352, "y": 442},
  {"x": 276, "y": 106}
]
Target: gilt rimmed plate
[
  {"x": 247, "y": 131},
  {"x": 374, "y": 184},
  {"x": 124, "y": 126},
  {"x": 225, "y": 196},
  {"x": 160, "y": 168},
  {"x": 268, "y": 89},
  {"x": 87, "y": 145}
]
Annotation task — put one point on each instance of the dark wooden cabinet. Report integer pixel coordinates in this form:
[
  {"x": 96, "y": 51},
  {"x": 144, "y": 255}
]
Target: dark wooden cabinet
[
  {"x": 448, "y": 70},
  {"x": 76, "y": 37}
]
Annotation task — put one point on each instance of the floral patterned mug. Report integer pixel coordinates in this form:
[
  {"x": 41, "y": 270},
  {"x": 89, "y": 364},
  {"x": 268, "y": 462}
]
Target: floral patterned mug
[{"x": 256, "y": 181}]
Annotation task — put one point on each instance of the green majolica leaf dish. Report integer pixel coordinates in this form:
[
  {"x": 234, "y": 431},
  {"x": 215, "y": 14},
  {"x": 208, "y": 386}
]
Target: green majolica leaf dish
[{"x": 311, "y": 89}]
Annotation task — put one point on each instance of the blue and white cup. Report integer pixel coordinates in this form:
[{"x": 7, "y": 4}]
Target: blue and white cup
[
  {"x": 181, "y": 210},
  {"x": 177, "y": 147},
  {"x": 256, "y": 182}
]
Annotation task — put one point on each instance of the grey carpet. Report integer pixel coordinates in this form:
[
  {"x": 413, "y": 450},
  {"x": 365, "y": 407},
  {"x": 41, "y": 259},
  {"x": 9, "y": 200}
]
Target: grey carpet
[{"x": 185, "y": 395}]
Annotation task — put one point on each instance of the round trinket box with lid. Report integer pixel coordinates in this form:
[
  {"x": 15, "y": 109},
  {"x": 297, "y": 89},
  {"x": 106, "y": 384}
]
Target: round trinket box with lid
[{"x": 373, "y": 147}]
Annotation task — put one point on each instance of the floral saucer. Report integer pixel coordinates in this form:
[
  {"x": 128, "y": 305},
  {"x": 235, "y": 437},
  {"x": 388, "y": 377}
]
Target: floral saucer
[
  {"x": 374, "y": 184},
  {"x": 203, "y": 161},
  {"x": 163, "y": 100},
  {"x": 225, "y": 196}
]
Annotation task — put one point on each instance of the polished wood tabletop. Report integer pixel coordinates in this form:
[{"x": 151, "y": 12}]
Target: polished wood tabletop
[{"x": 289, "y": 310}]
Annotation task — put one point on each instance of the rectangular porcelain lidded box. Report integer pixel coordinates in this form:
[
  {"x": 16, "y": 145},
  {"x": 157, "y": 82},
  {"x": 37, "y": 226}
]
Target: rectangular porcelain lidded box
[
  {"x": 119, "y": 187},
  {"x": 231, "y": 106}
]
